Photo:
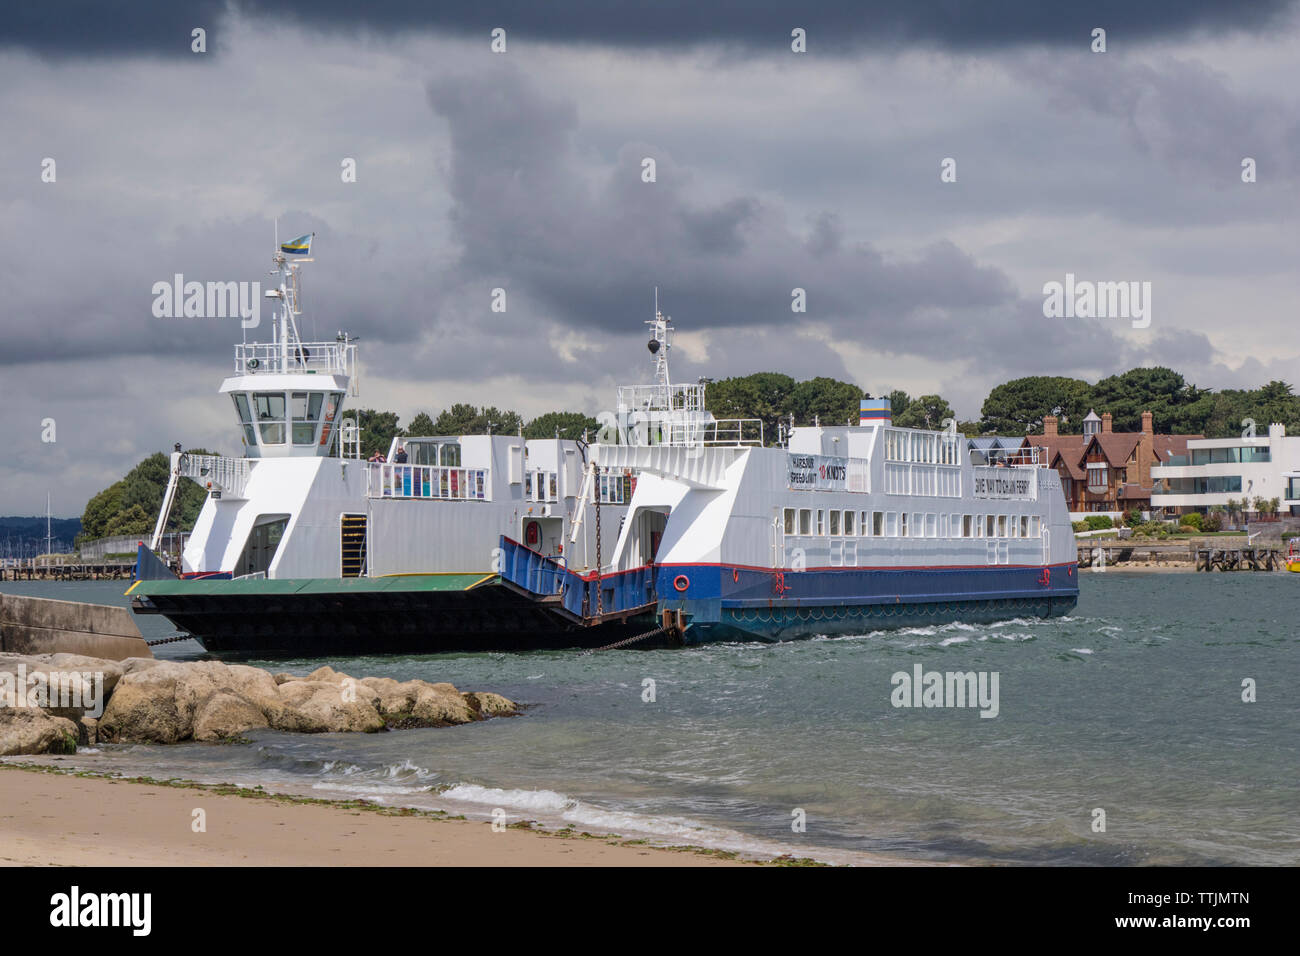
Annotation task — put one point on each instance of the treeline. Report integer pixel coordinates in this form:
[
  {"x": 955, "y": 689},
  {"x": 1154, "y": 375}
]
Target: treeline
[
  {"x": 131, "y": 506},
  {"x": 1018, "y": 407},
  {"x": 1179, "y": 407},
  {"x": 378, "y": 429}
]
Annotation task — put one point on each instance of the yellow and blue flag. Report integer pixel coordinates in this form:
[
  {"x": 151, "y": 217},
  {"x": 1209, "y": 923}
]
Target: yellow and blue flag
[{"x": 300, "y": 246}]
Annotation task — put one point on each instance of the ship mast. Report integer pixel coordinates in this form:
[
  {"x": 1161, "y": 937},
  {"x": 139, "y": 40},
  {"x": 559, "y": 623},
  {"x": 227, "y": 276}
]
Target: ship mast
[{"x": 660, "y": 342}]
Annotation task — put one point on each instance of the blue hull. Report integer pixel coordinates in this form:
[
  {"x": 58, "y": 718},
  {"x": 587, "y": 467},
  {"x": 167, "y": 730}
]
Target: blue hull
[{"x": 740, "y": 604}]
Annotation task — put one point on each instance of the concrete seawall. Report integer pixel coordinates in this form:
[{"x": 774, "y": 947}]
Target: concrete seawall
[{"x": 31, "y": 625}]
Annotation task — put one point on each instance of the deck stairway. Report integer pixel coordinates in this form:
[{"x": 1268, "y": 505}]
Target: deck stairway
[
  {"x": 579, "y": 597},
  {"x": 352, "y": 545}
]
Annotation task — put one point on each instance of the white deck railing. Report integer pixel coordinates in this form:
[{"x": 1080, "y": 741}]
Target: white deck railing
[
  {"x": 335, "y": 358},
  {"x": 217, "y": 473},
  {"x": 393, "y": 480},
  {"x": 724, "y": 431}
]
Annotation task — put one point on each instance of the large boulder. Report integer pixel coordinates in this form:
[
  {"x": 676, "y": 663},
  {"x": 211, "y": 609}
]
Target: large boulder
[
  {"x": 491, "y": 705},
  {"x": 225, "y": 715},
  {"x": 439, "y": 705},
  {"x": 30, "y": 730},
  {"x": 159, "y": 704},
  {"x": 316, "y": 706}
]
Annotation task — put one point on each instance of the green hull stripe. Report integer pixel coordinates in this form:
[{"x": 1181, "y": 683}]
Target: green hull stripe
[{"x": 395, "y": 583}]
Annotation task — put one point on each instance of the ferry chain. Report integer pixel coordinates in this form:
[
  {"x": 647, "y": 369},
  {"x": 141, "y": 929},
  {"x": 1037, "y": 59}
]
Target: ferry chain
[
  {"x": 170, "y": 640},
  {"x": 630, "y": 640}
]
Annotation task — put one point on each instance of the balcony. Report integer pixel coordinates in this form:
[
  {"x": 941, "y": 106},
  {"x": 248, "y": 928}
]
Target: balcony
[
  {"x": 433, "y": 482},
  {"x": 224, "y": 477}
]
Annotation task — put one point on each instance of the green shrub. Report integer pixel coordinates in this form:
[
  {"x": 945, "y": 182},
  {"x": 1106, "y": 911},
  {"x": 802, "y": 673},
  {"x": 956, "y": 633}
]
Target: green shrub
[
  {"x": 1191, "y": 520},
  {"x": 1213, "y": 522},
  {"x": 1133, "y": 517},
  {"x": 1079, "y": 525},
  {"x": 1098, "y": 522},
  {"x": 1152, "y": 529}
]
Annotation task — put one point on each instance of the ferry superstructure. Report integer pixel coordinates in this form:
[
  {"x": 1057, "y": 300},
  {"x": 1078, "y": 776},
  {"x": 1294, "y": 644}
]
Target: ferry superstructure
[
  {"x": 303, "y": 548},
  {"x": 846, "y": 530}
]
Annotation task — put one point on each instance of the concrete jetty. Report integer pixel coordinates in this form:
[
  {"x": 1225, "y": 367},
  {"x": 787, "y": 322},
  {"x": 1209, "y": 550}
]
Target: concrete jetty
[{"x": 32, "y": 625}]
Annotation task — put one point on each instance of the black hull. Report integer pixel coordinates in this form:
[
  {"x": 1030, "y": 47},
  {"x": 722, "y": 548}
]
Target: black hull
[{"x": 350, "y": 624}]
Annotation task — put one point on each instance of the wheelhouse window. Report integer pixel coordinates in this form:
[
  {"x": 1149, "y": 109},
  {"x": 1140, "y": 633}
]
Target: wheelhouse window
[
  {"x": 306, "y": 414},
  {"x": 245, "y": 418},
  {"x": 270, "y": 416}
]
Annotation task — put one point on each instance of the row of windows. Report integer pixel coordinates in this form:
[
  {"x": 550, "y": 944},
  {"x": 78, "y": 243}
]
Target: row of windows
[
  {"x": 1220, "y": 484},
  {"x": 1229, "y": 456},
  {"x": 903, "y": 524},
  {"x": 925, "y": 447},
  {"x": 267, "y": 410}
]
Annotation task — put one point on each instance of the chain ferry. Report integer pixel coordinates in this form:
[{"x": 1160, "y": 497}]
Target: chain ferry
[
  {"x": 845, "y": 530},
  {"x": 302, "y": 548}
]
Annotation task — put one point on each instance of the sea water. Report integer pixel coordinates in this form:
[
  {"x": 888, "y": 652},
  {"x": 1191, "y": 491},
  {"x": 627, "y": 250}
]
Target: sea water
[{"x": 1121, "y": 736}]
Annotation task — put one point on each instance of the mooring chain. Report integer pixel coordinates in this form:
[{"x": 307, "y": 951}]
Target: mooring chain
[
  {"x": 170, "y": 640},
  {"x": 629, "y": 640}
]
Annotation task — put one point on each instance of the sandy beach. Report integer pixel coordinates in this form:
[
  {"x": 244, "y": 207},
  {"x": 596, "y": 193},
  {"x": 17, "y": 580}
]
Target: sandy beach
[{"x": 56, "y": 819}]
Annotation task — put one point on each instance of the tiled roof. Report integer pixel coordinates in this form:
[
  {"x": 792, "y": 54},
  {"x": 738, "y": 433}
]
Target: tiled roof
[
  {"x": 1116, "y": 446},
  {"x": 1134, "y": 491}
]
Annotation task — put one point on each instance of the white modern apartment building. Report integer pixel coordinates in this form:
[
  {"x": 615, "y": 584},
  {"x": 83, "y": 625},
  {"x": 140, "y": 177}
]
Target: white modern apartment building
[{"x": 1216, "y": 469}]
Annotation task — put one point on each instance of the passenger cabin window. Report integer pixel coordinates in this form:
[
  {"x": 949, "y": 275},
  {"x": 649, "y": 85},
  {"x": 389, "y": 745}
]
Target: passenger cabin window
[
  {"x": 805, "y": 521},
  {"x": 903, "y": 525},
  {"x": 821, "y": 521},
  {"x": 878, "y": 523},
  {"x": 789, "y": 521},
  {"x": 965, "y": 526},
  {"x": 988, "y": 526},
  {"x": 1024, "y": 526},
  {"x": 835, "y": 523},
  {"x": 891, "y": 524},
  {"x": 931, "y": 526},
  {"x": 848, "y": 522},
  {"x": 1002, "y": 526}
]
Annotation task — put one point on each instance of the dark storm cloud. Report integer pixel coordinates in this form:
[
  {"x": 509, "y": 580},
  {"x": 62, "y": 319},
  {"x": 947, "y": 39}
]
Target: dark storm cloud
[
  {"x": 586, "y": 250},
  {"x": 161, "y": 27}
]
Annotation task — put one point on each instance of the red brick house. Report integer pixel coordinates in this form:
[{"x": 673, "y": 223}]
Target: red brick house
[{"x": 1105, "y": 470}]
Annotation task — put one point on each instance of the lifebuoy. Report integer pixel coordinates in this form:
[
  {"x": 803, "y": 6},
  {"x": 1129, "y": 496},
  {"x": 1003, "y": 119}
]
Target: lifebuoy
[{"x": 681, "y": 582}]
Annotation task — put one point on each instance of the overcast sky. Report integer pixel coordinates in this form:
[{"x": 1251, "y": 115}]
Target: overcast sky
[{"x": 523, "y": 170}]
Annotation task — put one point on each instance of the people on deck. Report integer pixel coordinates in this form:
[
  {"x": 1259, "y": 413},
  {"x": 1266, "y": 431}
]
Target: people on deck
[{"x": 400, "y": 457}]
